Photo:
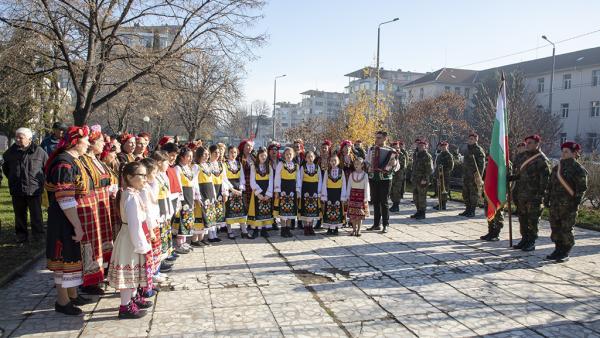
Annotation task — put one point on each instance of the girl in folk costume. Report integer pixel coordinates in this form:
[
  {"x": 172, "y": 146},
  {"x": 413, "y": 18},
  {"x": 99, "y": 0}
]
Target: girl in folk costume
[
  {"x": 175, "y": 195},
  {"x": 333, "y": 195},
  {"x": 260, "y": 210},
  {"x": 235, "y": 209},
  {"x": 308, "y": 187},
  {"x": 187, "y": 173},
  {"x": 100, "y": 237},
  {"x": 347, "y": 157},
  {"x": 358, "y": 195},
  {"x": 323, "y": 163},
  {"x": 274, "y": 159},
  {"x": 206, "y": 218},
  {"x": 286, "y": 176},
  {"x": 299, "y": 160},
  {"x": 149, "y": 196},
  {"x": 131, "y": 261},
  {"x": 68, "y": 186},
  {"x": 221, "y": 187},
  {"x": 246, "y": 160},
  {"x": 109, "y": 159},
  {"x": 165, "y": 206}
]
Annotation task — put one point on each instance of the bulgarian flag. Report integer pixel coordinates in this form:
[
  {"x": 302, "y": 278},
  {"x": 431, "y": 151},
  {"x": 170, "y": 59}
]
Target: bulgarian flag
[{"x": 495, "y": 186}]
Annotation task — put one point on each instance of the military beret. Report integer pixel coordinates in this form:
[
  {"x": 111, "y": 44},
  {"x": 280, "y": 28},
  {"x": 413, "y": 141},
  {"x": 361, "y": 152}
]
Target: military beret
[
  {"x": 473, "y": 134},
  {"x": 522, "y": 144},
  {"x": 535, "y": 137},
  {"x": 423, "y": 142},
  {"x": 574, "y": 147},
  {"x": 443, "y": 143}
]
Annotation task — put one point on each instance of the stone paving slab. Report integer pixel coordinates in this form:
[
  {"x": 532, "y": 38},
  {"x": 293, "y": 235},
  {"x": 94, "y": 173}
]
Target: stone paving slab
[{"x": 429, "y": 278}]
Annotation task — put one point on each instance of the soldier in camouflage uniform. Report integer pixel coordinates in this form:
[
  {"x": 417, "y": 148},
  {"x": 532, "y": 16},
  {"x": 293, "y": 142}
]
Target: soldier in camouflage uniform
[
  {"x": 532, "y": 172},
  {"x": 399, "y": 179},
  {"x": 473, "y": 166},
  {"x": 421, "y": 177},
  {"x": 567, "y": 186},
  {"x": 444, "y": 162},
  {"x": 497, "y": 223}
]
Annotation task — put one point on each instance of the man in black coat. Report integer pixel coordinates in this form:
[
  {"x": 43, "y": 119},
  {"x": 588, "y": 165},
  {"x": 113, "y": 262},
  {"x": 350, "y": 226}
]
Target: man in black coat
[{"x": 24, "y": 167}]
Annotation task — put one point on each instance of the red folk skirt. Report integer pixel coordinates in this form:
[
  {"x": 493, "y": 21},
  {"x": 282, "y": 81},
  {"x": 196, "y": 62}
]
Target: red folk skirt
[
  {"x": 106, "y": 220},
  {"x": 91, "y": 243},
  {"x": 356, "y": 204}
]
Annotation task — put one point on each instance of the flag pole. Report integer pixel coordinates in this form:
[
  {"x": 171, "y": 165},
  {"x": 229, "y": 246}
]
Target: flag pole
[
  {"x": 509, "y": 201},
  {"x": 509, "y": 167}
]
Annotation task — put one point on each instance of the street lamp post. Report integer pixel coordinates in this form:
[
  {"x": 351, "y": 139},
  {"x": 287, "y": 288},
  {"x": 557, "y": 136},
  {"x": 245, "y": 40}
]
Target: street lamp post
[
  {"x": 551, "y": 74},
  {"x": 275, "y": 100},
  {"x": 378, "y": 38}
]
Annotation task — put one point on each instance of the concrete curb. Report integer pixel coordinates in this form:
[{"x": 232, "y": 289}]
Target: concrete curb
[{"x": 19, "y": 269}]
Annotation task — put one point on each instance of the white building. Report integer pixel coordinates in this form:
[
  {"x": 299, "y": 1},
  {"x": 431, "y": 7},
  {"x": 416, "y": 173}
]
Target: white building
[
  {"x": 459, "y": 81},
  {"x": 317, "y": 103}
]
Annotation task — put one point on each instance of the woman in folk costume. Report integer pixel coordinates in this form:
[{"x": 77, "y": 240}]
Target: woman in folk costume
[
  {"x": 68, "y": 185},
  {"x": 246, "y": 161},
  {"x": 260, "y": 210},
  {"x": 286, "y": 177},
  {"x": 274, "y": 159},
  {"x": 164, "y": 205},
  {"x": 298, "y": 147},
  {"x": 347, "y": 157},
  {"x": 131, "y": 261},
  {"x": 221, "y": 187},
  {"x": 236, "y": 210},
  {"x": 358, "y": 195},
  {"x": 308, "y": 187},
  {"x": 100, "y": 237},
  {"x": 149, "y": 196},
  {"x": 187, "y": 172},
  {"x": 109, "y": 159},
  {"x": 333, "y": 195},
  {"x": 206, "y": 213},
  {"x": 175, "y": 196},
  {"x": 323, "y": 163},
  {"x": 128, "y": 144}
]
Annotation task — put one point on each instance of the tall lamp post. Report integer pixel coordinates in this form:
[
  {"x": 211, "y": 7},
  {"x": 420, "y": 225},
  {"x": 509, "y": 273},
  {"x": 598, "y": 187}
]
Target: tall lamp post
[
  {"x": 551, "y": 74},
  {"x": 378, "y": 38},
  {"x": 275, "y": 100}
]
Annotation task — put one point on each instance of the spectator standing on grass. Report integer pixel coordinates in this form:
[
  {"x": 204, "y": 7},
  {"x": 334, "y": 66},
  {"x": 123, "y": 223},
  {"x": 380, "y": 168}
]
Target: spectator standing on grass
[
  {"x": 24, "y": 167},
  {"x": 50, "y": 143}
]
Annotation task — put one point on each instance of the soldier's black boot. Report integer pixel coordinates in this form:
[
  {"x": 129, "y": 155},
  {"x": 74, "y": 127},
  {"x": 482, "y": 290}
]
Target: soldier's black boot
[
  {"x": 494, "y": 235},
  {"x": 529, "y": 246},
  {"x": 443, "y": 205},
  {"x": 395, "y": 207},
  {"x": 414, "y": 215},
  {"x": 437, "y": 207},
  {"x": 470, "y": 213},
  {"x": 384, "y": 229},
  {"x": 553, "y": 255},
  {"x": 563, "y": 255},
  {"x": 375, "y": 227},
  {"x": 520, "y": 245},
  {"x": 464, "y": 213},
  {"x": 420, "y": 214},
  {"x": 487, "y": 236}
]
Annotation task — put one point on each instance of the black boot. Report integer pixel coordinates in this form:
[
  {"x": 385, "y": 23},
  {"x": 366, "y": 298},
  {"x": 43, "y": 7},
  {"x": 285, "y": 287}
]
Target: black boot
[
  {"x": 520, "y": 245},
  {"x": 552, "y": 256},
  {"x": 318, "y": 225},
  {"x": 264, "y": 233},
  {"x": 255, "y": 233},
  {"x": 420, "y": 214},
  {"x": 300, "y": 224},
  {"x": 487, "y": 236},
  {"x": 494, "y": 235},
  {"x": 437, "y": 207},
  {"x": 470, "y": 213},
  {"x": 384, "y": 229},
  {"x": 562, "y": 256},
  {"x": 375, "y": 227},
  {"x": 274, "y": 226},
  {"x": 443, "y": 205},
  {"x": 245, "y": 235},
  {"x": 529, "y": 246},
  {"x": 329, "y": 231},
  {"x": 395, "y": 207},
  {"x": 293, "y": 226},
  {"x": 335, "y": 232},
  {"x": 464, "y": 213},
  {"x": 415, "y": 214}
]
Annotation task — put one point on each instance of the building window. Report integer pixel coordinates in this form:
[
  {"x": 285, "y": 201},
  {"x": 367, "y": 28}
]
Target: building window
[
  {"x": 318, "y": 103},
  {"x": 564, "y": 110},
  {"x": 467, "y": 92},
  {"x": 596, "y": 78},
  {"x": 540, "y": 88},
  {"x": 447, "y": 88},
  {"x": 567, "y": 81},
  {"x": 595, "y": 112},
  {"x": 421, "y": 93},
  {"x": 563, "y": 138},
  {"x": 593, "y": 141},
  {"x": 457, "y": 90}
]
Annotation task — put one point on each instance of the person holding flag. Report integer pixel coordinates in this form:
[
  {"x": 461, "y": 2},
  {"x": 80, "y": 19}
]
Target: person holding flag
[{"x": 474, "y": 162}]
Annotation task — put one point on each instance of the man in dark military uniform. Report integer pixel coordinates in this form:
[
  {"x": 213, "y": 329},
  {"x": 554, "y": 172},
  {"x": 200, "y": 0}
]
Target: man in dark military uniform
[
  {"x": 421, "y": 177},
  {"x": 473, "y": 166},
  {"x": 381, "y": 173},
  {"x": 444, "y": 164},
  {"x": 567, "y": 186},
  {"x": 532, "y": 172},
  {"x": 399, "y": 179}
]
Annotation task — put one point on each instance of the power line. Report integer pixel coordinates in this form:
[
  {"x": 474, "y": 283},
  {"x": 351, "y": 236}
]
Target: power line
[{"x": 528, "y": 50}]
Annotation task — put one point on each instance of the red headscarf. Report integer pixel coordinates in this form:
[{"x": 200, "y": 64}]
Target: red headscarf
[
  {"x": 69, "y": 139},
  {"x": 345, "y": 143},
  {"x": 95, "y": 132},
  {"x": 108, "y": 147},
  {"x": 242, "y": 145},
  {"x": 125, "y": 137}
]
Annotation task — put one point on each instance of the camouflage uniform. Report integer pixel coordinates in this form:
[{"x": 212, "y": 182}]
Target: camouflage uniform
[
  {"x": 399, "y": 179},
  {"x": 422, "y": 168},
  {"x": 529, "y": 190},
  {"x": 473, "y": 163},
  {"x": 563, "y": 207},
  {"x": 445, "y": 161}
]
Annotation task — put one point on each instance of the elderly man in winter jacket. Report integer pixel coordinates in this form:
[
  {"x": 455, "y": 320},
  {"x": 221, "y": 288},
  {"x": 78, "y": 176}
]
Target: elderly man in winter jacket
[{"x": 24, "y": 167}]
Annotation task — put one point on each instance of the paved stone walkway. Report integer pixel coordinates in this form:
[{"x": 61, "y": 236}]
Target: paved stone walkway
[{"x": 430, "y": 278}]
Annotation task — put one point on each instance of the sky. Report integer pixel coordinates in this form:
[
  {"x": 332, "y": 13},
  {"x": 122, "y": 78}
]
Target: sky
[{"x": 316, "y": 42}]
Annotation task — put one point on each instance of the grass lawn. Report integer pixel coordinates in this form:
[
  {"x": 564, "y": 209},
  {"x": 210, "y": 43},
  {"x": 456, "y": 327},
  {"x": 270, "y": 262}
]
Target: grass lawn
[{"x": 13, "y": 255}]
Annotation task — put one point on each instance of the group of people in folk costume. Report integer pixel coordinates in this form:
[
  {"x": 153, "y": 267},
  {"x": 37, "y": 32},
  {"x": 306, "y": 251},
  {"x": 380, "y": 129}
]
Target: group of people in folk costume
[{"x": 121, "y": 214}]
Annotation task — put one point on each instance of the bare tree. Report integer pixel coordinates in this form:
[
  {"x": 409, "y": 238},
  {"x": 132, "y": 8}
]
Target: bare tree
[
  {"x": 210, "y": 92},
  {"x": 524, "y": 116},
  {"x": 89, "y": 38}
]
